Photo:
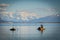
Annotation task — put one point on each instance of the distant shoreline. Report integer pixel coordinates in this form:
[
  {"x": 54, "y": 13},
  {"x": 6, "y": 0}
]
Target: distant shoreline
[{"x": 28, "y": 22}]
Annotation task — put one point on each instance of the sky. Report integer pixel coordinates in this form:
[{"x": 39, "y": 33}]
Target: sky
[{"x": 28, "y": 9}]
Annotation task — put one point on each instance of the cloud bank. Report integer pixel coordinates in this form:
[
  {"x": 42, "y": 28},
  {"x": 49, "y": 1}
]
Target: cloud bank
[{"x": 24, "y": 15}]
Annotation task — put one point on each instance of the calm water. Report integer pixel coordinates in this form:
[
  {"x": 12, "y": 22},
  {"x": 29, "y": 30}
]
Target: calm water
[{"x": 30, "y": 32}]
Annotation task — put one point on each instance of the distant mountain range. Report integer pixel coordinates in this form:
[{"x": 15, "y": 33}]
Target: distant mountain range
[
  {"x": 2, "y": 21},
  {"x": 51, "y": 18}
]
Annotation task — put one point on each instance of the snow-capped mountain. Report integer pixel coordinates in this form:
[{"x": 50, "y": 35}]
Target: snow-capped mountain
[
  {"x": 34, "y": 18},
  {"x": 19, "y": 16},
  {"x": 51, "y": 18}
]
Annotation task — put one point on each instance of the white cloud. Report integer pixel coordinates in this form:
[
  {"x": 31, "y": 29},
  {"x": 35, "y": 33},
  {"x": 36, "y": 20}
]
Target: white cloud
[
  {"x": 18, "y": 18},
  {"x": 3, "y": 9},
  {"x": 46, "y": 11},
  {"x": 11, "y": 14},
  {"x": 8, "y": 14},
  {"x": 4, "y": 13},
  {"x": 25, "y": 15}
]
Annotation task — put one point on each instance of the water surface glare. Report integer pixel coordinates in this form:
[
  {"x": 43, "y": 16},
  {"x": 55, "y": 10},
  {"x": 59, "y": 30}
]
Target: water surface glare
[{"x": 51, "y": 32}]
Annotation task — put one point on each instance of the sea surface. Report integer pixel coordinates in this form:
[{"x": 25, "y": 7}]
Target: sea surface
[{"x": 28, "y": 31}]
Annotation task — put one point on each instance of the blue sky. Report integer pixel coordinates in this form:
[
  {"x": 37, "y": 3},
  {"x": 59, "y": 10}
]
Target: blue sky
[{"x": 38, "y": 8}]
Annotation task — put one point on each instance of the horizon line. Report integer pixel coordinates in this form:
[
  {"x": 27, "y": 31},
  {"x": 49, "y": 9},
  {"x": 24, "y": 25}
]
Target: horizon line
[{"x": 29, "y": 22}]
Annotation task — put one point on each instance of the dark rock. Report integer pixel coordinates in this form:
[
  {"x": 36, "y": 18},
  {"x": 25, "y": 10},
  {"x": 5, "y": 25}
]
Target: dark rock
[{"x": 12, "y": 29}]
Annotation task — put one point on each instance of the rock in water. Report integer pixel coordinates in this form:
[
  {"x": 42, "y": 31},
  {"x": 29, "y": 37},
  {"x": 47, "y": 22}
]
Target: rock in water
[{"x": 12, "y": 29}]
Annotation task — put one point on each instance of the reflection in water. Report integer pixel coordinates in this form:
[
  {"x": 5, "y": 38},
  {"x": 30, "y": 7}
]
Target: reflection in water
[
  {"x": 41, "y": 31},
  {"x": 52, "y": 32}
]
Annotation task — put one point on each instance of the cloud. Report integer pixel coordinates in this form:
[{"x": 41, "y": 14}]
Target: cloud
[
  {"x": 4, "y": 13},
  {"x": 11, "y": 14},
  {"x": 27, "y": 15},
  {"x": 3, "y": 9},
  {"x": 4, "y": 5},
  {"x": 7, "y": 14},
  {"x": 24, "y": 15},
  {"x": 17, "y": 18}
]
